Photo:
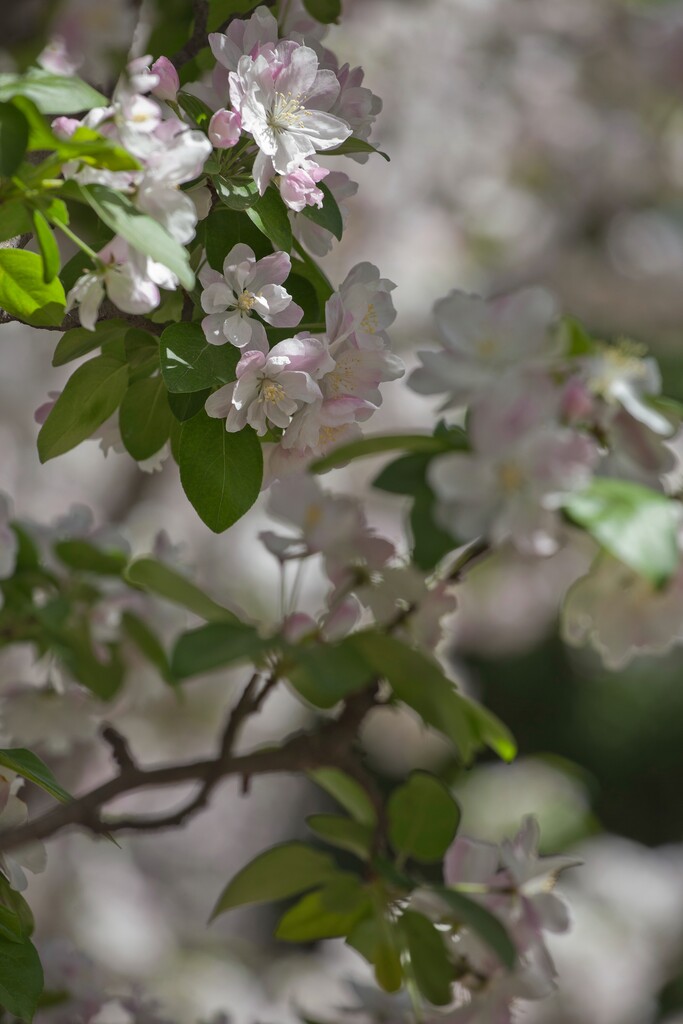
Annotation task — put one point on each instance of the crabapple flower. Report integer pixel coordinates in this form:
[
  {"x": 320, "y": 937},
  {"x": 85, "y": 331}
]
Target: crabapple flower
[
  {"x": 271, "y": 387},
  {"x": 225, "y": 128},
  {"x": 282, "y": 99},
  {"x": 622, "y": 378},
  {"x": 168, "y": 82},
  {"x": 520, "y": 464},
  {"x": 13, "y": 814},
  {"x": 245, "y": 287},
  {"x": 299, "y": 186},
  {"x": 403, "y": 588},
  {"x": 363, "y": 306},
  {"x": 483, "y": 339},
  {"x": 127, "y": 280},
  {"x": 356, "y": 104},
  {"x": 244, "y": 37},
  {"x": 622, "y": 614},
  {"x": 317, "y": 239},
  {"x": 55, "y": 57}
]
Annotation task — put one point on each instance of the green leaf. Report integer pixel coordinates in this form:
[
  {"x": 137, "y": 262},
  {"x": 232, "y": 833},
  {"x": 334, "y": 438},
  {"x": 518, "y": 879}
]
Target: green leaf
[
  {"x": 236, "y": 195},
  {"x": 431, "y": 543},
  {"x": 92, "y": 393},
  {"x": 148, "y": 644},
  {"x": 30, "y": 767},
  {"x": 85, "y": 144},
  {"x": 196, "y": 108},
  {"x": 156, "y": 578},
  {"x": 21, "y": 978},
  {"x": 49, "y": 250},
  {"x": 635, "y": 524},
  {"x": 221, "y": 473},
  {"x": 184, "y": 407},
  {"x": 326, "y": 11},
  {"x": 329, "y": 215},
  {"x": 377, "y": 444},
  {"x": 189, "y": 363},
  {"x": 16, "y": 918},
  {"x": 270, "y": 216},
  {"x": 85, "y": 557},
  {"x": 471, "y": 914},
  {"x": 276, "y": 874},
  {"x": 23, "y": 292},
  {"x": 423, "y": 818},
  {"x": 145, "y": 418},
  {"x": 430, "y": 964},
  {"x": 305, "y": 267},
  {"x": 15, "y": 219},
  {"x": 325, "y": 674},
  {"x": 79, "y": 342},
  {"x": 142, "y": 232},
  {"x": 52, "y": 94},
  {"x": 353, "y": 145},
  {"x": 343, "y": 832},
  {"x": 215, "y": 646},
  {"x": 328, "y": 913},
  {"x": 347, "y": 792},
  {"x": 224, "y": 229},
  {"x": 13, "y": 139},
  {"x": 376, "y": 938}
]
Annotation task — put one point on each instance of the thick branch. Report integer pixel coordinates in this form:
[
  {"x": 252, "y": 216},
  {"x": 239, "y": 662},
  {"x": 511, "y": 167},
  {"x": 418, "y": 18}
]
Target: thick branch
[
  {"x": 108, "y": 311},
  {"x": 329, "y": 744}
]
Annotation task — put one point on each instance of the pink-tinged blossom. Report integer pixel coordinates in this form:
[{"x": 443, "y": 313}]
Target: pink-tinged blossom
[
  {"x": 64, "y": 127},
  {"x": 299, "y": 187},
  {"x": 244, "y": 37},
  {"x": 282, "y": 99},
  {"x": 315, "y": 238},
  {"x": 57, "y": 58},
  {"x": 622, "y": 614},
  {"x": 356, "y": 104},
  {"x": 125, "y": 280},
  {"x": 483, "y": 339},
  {"x": 520, "y": 464},
  {"x": 245, "y": 287},
  {"x": 270, "y": 387},
  {"x": 362, "y": 306},
  {"x": 331, "y": 626},
  {"x": 225, "y": 128},
  {"x": 624, "y": 379},
  {"x": 168, "y": 82}
]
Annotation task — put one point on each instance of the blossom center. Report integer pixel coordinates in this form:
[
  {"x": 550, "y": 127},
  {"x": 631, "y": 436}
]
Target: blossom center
[
  {"x": 287, "y": 112},
  {"x": 370, "y": 320},
  {"x": 487, "y": 348},
  {"x": 510, "y": 476},
  {"x": 245, "y": 302},
  {"x": 271, "y": 391}
]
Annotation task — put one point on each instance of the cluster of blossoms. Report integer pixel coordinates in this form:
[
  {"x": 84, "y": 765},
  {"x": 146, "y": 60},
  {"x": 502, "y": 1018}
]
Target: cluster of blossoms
[
  {"x": 548, "y": 411},
  {"x": 307, "y": 392}
]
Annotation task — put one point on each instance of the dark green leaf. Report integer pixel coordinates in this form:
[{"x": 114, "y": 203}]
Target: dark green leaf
[
  {"x": 156, "y": 578},
  {"x": 30, "y": 767},
  {"x": 328, "y": 216},
  {"x": 184, "y": 407},
  {"x": 276, "y": 874},
  {"x": 324, "y": 675},
  {"x": 347, "y": 792},
  {"x": 145, "y": 418},
  {"x": 471, "y": 914},
  {"x": 325, "y": 11},
  {"x": 196, "y": 108},
  {"x": 378, "y": 444},
  {"x": 85, "y": 557},
  {"x": 79, "y": 342},
  {"x": 142, "y": 232},
  {"x": 13, "y": 139},
  {"x": 21, "y": 978},
  {"x": 148, "y": 644},
  {"x": 353, "y": 145},
  {"x": 429, "y": 961},
  {"x": 270, "y": 216},
  {"x": 221, "y": 473},
  {"x": 224, "y": 229},
  {"x": 49, "y": 250},
  {"x": 214, "y": 646},
  {"x": 23, "y": 292},
  {"x": 92, "y": 393},
  {"x": 236, "y": 195},
  {"x": 635, "y": 524},
  {"x": 52, "y": 94},
  {"x": 343, "y": 832},
  {"x": 328, "y": 913},
  {"x": 423, "y": 818},
  {"x": 376, "y": 938},
  {"x": 189, "y": 363}
]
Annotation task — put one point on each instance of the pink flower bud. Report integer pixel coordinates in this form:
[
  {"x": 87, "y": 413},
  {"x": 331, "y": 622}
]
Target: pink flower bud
[
  {"x": 169, "y": 83},
  {"x": 64, "y": 127},
  {"x": 225, "y": 128}
]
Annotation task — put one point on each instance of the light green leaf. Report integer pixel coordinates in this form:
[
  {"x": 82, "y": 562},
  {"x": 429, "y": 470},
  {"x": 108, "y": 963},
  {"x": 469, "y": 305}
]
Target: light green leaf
[
  {"x": 30, "y": 767},
  {"x": 635, "y": 524},
  {"x": 145, "y": 418},
  {"x": 221, "y": 473},
  {"x": 79, "y": 342},
  {"x": 214, "y": 646},
  {"x": 21, "y": 978},
  {"x": 377, "y": 444},
  {"x": 328, "y": 913},
  {"x": 328, "y": 216},
  {"x": 278, "y": 873},
  {"x": 23, "y": 292},
  {"x": 423, "y": 818},
  {"x": 13, "y": 139},
  {"x": 15, "y": 219},
  {"x": 92, "y": 393},
  {"x": 156, "y": 578},
  {"x": 430, "y": 964},
  {"x": 189, "y": 363},
  {"x": 49, "y": 250},
  {"x": 347, "y": 792},
  {"x": 269, "y": 214},
  {"x": 142, "y": 232},
  {"x": 343, "y": 832},
  {"x": 469, "y": 913},
  {"x": 52, "y": 94}
]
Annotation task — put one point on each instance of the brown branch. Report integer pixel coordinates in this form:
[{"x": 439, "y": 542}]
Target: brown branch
[
  {"x": 199, "y": 38},
  {"x": 328, "y": 744},
  {"x": 108, "y": 311}
]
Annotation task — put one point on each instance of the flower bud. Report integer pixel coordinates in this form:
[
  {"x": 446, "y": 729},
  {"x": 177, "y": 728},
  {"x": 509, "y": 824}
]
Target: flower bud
[
  {"x": 64, "y": 127},
  {"x": 225, "y": 128},
  {"x": 169, "y": 83}
]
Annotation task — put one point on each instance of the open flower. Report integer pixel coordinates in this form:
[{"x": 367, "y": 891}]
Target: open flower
[
  {"x": 625, "y": 379},
  {"x": 245, "y": 287},
  {"x": 129, "y": 279}
]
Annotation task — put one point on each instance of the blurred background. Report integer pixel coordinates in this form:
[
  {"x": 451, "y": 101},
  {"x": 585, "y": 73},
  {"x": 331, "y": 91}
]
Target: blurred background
[{"x": 530, "y": 141}]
